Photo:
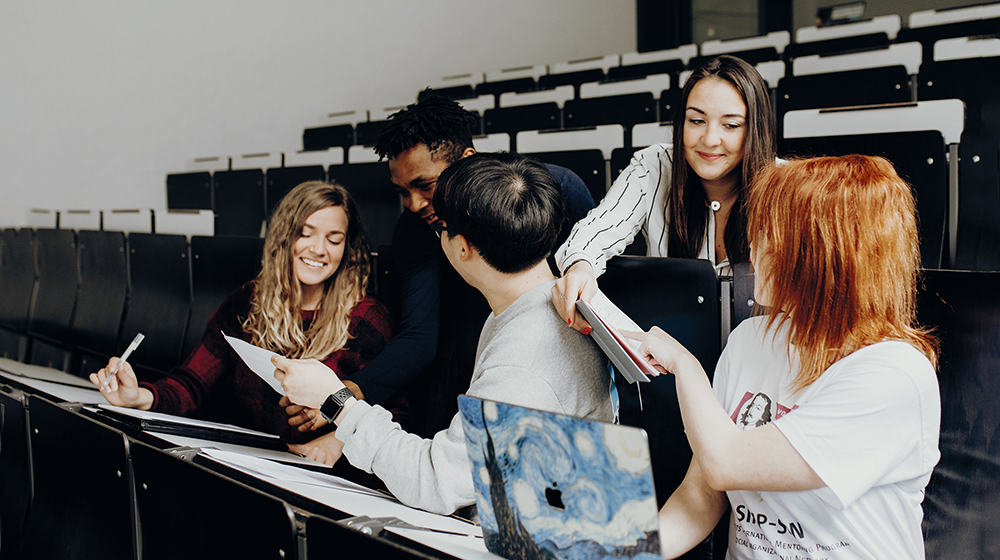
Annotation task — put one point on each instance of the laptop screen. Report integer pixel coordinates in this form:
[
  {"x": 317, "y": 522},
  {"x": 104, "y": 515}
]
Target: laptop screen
[{"x": 554, "y": 486}]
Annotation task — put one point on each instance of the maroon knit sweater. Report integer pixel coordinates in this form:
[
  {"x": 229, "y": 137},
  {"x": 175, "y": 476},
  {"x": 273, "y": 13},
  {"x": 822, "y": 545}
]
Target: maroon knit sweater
[{"x": 215, "y": 384}]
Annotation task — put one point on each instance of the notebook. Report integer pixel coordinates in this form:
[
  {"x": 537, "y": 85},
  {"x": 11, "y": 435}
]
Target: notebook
[
  {"x": 554, "y": 486},
  {"x": 190, "y": 427},
  {"x": 608, "y": 321}
]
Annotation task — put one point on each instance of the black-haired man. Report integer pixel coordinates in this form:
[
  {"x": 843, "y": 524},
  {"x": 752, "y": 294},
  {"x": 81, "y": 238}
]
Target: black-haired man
[
  {"x": 420, "y": 142},
  {"x": 497, "y": 216}
]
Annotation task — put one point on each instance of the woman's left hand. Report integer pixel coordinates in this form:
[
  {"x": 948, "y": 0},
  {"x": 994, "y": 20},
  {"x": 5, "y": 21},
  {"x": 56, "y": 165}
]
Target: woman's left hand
[
  {"x": 664, "y": 352},
  {"x": 302, "y": 417},
  {"x": 324, "y": 449},
  {"x": 306, "y": 382}
]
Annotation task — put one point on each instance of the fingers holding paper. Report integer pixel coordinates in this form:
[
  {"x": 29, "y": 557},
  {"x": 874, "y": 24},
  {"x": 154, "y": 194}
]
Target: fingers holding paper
[
  {"x": 578, "y": 282},
  {"x": 123, "y": 389},
  {"x": 663, "y": 352},
  {"x": 306, "y": 382}
]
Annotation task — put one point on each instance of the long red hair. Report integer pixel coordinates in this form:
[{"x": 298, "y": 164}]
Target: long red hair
[{"x": 842, "y": 257}]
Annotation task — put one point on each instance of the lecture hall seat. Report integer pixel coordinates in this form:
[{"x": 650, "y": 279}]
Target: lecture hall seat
[
  {"x": 963, "y": 496},
  {"x": 17, "y": 280},
  {"x": 58, "y": 281}
]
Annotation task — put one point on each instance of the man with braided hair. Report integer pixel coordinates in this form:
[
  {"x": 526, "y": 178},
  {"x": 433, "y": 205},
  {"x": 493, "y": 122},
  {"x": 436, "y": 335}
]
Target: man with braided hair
[{"x": 441, "y": 315}]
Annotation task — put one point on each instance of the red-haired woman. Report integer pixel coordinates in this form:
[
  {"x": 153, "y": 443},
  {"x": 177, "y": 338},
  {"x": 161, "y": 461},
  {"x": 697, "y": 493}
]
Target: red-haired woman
[{"x": 840, "y": 469}]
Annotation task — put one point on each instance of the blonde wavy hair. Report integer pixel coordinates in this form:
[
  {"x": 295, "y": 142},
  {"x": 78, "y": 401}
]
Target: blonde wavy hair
[
  {"x": 275, "y": 319},
  {"x": 842, "y": 257}
]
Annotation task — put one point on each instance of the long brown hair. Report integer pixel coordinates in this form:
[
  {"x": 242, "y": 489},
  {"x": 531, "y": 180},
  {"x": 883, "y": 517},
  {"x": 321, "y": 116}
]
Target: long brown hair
[
  {"x": 685, "y": 212},
  {"x": 275, "y": 320},
  {"x": 842, "y": 254}
]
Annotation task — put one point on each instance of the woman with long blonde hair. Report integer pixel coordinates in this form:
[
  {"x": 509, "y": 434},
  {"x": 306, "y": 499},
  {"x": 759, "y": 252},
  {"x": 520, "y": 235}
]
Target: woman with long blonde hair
[
  {"x": 308, "y": 301},
  {"x": 840, "y": 469}
]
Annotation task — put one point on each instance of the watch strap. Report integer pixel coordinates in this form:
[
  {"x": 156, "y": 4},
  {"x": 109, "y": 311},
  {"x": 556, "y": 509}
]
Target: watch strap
[{"x": 334, "y": 404}]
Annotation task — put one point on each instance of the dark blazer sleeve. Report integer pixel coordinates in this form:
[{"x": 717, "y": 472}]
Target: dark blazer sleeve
[{"x": 417, "y": 253}]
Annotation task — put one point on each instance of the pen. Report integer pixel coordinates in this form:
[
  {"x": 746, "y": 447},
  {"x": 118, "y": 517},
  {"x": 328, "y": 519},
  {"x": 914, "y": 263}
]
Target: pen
[{"x": 131, "y": 347}]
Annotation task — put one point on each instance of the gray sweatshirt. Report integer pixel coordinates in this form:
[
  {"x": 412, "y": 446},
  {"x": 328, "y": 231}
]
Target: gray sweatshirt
[{"x": 526, "y": 356}]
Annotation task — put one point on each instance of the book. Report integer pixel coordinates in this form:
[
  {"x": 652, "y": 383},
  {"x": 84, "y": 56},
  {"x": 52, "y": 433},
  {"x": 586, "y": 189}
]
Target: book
[{"x": 608, "y": 322}]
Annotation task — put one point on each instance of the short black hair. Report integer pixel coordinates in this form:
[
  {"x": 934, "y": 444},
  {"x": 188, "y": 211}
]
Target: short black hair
[
  {"x": 438, "y": 122},
  {"x": 509, "y": 207}
]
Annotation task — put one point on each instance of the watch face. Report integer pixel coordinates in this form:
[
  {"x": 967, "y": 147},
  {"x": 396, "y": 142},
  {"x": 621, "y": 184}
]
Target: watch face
[{"x": 334, "y": 404}]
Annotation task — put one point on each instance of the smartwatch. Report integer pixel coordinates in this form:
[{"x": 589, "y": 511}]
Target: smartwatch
[{"x": 334, "y": 404}]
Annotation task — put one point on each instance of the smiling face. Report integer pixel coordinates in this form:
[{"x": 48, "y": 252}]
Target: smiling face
[
  {"x": 714, "y": 128},
  {"x": 318, "y": 251},
  {"x": 415, "y": 173}
]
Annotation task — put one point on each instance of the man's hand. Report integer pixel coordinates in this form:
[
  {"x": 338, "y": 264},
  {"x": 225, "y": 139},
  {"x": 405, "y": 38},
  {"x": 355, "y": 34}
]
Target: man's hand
[
  {"x": 303, "y": 418},
  {"x": 306, "y": 382},
  {"x": 324, "y": 449}
]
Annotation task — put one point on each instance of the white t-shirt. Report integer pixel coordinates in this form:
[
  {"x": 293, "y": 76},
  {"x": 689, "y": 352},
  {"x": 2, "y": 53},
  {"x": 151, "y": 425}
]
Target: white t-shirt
[{"x": 868, "y": 427}]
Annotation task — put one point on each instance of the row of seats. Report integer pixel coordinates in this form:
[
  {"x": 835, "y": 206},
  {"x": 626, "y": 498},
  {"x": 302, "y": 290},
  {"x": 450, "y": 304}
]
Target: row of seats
[
  {"x": 952, "y": 167},
  {"x": 895, "y": 90},
  {"x": 918, "y": 95},
  {"x": 71, "y": 300},
  {"x": 953, "y": 170},
  {"x": 881, "y": 57},
  {"x": 241, "y": 199},
  {"x": 77, "y": 484},
  {"x": 682, "y": 296}
]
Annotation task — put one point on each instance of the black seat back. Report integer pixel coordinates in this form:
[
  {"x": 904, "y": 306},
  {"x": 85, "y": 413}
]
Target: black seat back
[
  {"x": 238, "y": 202},
  {"x": 58, "y": 277},
  {"x": 681, "y": 296},
  {"x": 101, "y": 300},
  {"x": 17, "y": 280},
  {"x": 82, "y": 500},
  {"x": 961, "y": 500},
  {"x": 219, "y": 265},
  {"x": 372, "y": 190},
  {"x": 187, "y": 511},
  {"x": 159, "y": 299},
  {"x": 920, "y": 158},
  {"x": 189, "y": 191},
  {"x": 280, "y": 180},
  {"x": 15, "y": 470}
]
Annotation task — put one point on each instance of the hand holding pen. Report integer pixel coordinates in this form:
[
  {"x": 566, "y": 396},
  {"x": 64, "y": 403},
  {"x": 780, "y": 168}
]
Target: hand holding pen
[
  {"x": 128, "y": 352},
  {"x": 126, "y": 392}
]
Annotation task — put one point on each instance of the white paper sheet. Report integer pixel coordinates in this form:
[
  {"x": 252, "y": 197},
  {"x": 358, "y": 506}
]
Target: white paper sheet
[
  {"x": 612, "y": 315},
  {"x": 258, "y": 360},
  {"x": 273, "y": 471},
  {"x": 341, "y": 494},
  {"x": 43, "y": 373},
  {"x": 67, "y": 393}
]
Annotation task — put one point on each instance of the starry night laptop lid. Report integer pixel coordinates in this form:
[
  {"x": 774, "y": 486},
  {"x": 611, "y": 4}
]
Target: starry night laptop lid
[{"x": 550, "y": 486}]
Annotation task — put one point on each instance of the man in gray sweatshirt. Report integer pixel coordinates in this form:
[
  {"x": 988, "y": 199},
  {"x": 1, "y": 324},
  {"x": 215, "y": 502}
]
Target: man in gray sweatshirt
[{"x": 499, "y": 217}]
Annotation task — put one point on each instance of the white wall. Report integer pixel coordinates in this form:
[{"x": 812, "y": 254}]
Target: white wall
[{"x": 99, "y": 100}]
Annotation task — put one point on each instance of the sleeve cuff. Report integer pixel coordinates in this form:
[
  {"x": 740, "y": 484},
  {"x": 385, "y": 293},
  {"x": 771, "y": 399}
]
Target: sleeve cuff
[{"x": 363, "y": 430}]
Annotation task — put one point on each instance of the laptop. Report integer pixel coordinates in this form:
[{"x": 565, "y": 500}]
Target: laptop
[{"x": 557, "y": 487}]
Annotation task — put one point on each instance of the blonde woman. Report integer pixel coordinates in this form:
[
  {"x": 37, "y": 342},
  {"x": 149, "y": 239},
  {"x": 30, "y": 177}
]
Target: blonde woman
[{"x": 308, "y": 301}]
